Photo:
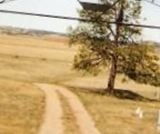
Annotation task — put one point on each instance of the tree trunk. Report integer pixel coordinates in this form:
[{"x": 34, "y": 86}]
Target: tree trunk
[
  {"x": 112, "y": 76},
  {"x": 113, "y": 70}
]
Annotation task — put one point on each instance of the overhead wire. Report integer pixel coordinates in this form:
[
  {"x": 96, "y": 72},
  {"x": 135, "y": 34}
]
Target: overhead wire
[{"x": 75, "y": 19}]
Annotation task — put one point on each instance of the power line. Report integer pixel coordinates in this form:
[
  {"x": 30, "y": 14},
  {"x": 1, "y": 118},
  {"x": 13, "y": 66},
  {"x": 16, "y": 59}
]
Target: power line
[
  {"x": 43, "y": 15},
  {"x": 76, "y": 19}
]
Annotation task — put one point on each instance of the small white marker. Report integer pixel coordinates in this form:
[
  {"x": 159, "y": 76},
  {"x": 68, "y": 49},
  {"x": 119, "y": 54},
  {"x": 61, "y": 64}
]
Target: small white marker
[
  {"x": 141, "y": 115},
  {"x": 138, "y": 110}
]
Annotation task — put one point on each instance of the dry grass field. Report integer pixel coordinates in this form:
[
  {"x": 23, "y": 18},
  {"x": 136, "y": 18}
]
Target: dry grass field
[
  {"x": 21, "y": 107},
  {"x": 29, "y": 59},
  {"x": 118, "y": 116},
  {"x": 32, "y": 59}
]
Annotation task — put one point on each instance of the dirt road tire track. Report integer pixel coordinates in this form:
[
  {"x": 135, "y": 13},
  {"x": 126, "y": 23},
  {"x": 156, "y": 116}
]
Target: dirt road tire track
[
  {"x": 53, "y": 112},
  {"x": 53, "y": 116}
]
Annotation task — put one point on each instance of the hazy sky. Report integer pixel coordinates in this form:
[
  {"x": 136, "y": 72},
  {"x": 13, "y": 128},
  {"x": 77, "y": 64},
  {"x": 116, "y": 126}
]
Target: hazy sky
[{"x": 66, "y": 8}]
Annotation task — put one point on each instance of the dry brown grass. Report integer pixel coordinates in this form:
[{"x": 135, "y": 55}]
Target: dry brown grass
[
  {"x": 117, "y": 116},
  {"x": 32, "y": 59},
  {"x": 29, "y": 59},
  {"x": 56, "y": 38},
  {"x": 21, "y": 107}
]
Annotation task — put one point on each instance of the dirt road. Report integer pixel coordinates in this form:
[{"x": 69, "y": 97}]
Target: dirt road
[{"x": 53, "y": 123}]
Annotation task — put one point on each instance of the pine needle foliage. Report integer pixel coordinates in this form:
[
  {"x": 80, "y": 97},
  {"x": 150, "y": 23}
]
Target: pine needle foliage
[{"x": 102, "y": 44}]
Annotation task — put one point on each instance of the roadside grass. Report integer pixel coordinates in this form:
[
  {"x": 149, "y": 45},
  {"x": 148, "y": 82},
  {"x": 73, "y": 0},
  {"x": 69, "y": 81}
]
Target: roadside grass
[
  {"x": 117, "y": 116},
  {"x": 21, "y": 107}
]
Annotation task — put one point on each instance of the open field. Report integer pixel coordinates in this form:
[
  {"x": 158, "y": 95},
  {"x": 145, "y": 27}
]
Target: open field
[
  {"x": 21, "y": 107},
  {"x": 27, "y": 59},
  {"x": 117, "y": 116},
  {"x": 46, "y": 60},
  {"x": 41, "y": 60}
]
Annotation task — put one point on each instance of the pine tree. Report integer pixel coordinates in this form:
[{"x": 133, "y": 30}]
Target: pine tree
[{"x": 115, "y": 45}]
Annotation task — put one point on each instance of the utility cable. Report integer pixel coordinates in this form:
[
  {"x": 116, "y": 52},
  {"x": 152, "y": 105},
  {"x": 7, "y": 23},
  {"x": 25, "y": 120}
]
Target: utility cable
[{"x": 77, "y": 19}]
